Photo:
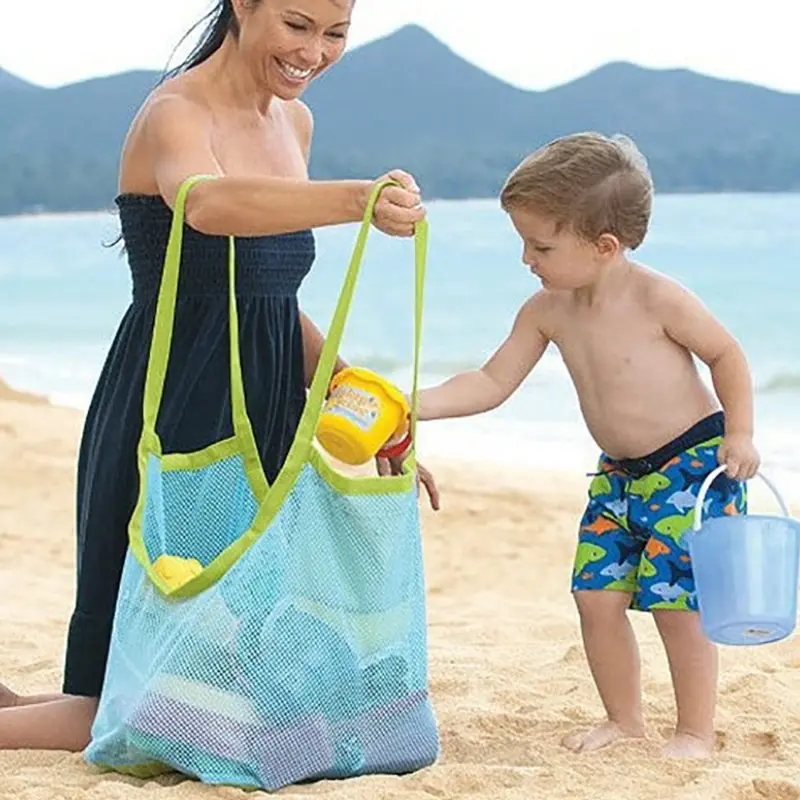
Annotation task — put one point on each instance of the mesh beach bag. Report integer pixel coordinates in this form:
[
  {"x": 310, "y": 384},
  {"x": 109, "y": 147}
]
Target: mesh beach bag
[{"x": 298, "y": 650}]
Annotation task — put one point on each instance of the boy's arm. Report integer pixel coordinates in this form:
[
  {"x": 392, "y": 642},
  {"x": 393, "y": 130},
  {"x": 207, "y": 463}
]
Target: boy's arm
[
  {"x": 482, "y": 389},
  {"x": 689, "y": 322}
]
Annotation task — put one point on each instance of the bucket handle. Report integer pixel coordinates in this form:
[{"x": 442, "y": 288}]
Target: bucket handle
[{"x": 701, "y": 495}]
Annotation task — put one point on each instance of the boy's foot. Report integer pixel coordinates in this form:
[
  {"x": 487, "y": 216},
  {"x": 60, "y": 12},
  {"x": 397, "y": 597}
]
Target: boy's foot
[
  {"x": 601, "y": 736},
  {"x": 684, "y": 745},
  {"x": 7, "y": 697}
]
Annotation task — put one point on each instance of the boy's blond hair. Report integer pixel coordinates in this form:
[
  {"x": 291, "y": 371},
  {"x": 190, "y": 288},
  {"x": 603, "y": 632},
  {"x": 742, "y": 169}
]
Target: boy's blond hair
[{"x": 593, "y": 183}]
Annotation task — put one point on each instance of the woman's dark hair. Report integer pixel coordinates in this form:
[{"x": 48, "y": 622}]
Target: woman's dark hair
[{"x": 219, "y": 22}]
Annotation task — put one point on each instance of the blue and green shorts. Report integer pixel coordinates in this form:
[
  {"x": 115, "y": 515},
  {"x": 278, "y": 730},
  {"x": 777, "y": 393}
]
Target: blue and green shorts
[{"x": 631, "y": 534}]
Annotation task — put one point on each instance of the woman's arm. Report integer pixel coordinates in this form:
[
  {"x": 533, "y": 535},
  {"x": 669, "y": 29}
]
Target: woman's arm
[{"x": 178, "y": 133}]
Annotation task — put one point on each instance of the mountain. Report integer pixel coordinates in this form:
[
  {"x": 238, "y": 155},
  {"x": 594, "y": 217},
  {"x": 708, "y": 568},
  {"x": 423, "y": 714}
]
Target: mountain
[
  {"x": 9, "y": 82},
  {"x": 407, "y": 100}
]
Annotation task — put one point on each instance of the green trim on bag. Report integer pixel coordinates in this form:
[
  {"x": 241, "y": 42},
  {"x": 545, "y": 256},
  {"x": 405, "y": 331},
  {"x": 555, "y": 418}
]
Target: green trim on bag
[
  {"x": 369, "y": 484},
  {"x": 219, "y": 451},
  {"x": 302, "y": 450},
  {"x": 162, "y": 341}
]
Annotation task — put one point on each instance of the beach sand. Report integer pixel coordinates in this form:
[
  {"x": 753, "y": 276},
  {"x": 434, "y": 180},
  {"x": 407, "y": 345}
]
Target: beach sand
[{"x": 508, "y": 675}]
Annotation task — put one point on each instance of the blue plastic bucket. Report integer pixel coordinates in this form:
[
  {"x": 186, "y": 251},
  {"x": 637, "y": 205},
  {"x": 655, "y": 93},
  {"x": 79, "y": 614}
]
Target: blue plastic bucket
[{"x": 746, "y": 572}]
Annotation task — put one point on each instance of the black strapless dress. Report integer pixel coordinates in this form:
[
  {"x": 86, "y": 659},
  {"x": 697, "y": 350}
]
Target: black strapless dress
[{"x": 195, "y": 410}]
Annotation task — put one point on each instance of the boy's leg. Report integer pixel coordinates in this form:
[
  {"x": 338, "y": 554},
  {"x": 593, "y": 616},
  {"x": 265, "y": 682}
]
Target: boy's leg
[
  {"x": 613, "y": 657},
  {"x": 603, "y": 582},
  {"x": 667, "y": 589},
  {"x": 693, "y": 667}
]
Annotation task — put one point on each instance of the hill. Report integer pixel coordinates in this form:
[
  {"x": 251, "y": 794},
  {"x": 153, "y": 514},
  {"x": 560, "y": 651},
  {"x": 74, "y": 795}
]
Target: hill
[
  {"x": 9, "y": 82},
  {"x": 407, "y": 100}
]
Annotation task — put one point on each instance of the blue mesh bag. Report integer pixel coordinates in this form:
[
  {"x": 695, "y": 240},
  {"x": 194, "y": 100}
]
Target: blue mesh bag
[{"x": 297, "y": 651}]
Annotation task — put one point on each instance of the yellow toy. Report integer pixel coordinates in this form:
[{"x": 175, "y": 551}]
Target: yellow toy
[
  {"x": 175, "y": 571},
  {"x": 362, "y": 413}
]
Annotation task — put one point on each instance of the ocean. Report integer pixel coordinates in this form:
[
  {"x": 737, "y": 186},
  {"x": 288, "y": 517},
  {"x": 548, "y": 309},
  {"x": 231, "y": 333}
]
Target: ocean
[{"x": 62, "y": 293}]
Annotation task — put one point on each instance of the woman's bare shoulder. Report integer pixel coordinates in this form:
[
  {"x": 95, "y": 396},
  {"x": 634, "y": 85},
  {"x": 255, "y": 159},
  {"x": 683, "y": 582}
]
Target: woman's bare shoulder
[{"x": 164, "y": 119}]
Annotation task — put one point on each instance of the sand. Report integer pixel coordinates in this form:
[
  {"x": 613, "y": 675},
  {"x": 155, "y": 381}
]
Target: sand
[{"x": 508, "y": 675}]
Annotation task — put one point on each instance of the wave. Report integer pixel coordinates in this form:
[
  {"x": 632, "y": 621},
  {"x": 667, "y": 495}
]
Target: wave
[
  {"x": 779, "y": 382},
  {"x": 389, "y": 364},
  {"x": 551, "y": 367},
  {"x": 73, "y": 370},
  {"x": 442, "y": 367}
]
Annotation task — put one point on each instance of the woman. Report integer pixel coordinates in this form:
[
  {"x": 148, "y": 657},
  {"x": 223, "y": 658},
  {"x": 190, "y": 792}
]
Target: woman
[{"x": 232, "y": 110}]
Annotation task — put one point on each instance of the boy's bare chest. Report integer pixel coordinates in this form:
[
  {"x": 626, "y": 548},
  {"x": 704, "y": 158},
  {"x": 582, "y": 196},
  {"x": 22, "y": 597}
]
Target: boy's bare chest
[{"x": 617, "y": 343}]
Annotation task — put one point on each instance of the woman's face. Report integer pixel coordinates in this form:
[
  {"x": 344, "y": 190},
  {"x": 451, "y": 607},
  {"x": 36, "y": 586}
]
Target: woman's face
[{"x": 287, "y": 43}]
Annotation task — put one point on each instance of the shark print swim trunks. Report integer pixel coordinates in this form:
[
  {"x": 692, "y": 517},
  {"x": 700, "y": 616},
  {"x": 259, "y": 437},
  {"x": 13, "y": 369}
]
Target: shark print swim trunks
[{"x": 631, "y": 534}]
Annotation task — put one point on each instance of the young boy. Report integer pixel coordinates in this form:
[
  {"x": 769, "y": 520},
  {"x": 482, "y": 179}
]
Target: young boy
[{"x": 627, "y": 335}]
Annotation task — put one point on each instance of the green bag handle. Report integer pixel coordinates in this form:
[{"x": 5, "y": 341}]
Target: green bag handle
[
  {"x": 272, "y": 497},
  {"x": 327, "y": 360},
  {"x": 165, "y": 319},
  {"x": 165, "y": 322}
]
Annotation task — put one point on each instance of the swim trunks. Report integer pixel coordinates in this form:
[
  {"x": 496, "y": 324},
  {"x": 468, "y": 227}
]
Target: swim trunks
[{"x": 631, "y": 534}]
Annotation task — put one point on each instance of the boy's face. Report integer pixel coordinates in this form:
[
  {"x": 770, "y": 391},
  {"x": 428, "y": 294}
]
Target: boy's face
[{"x": 559, "y": 258}]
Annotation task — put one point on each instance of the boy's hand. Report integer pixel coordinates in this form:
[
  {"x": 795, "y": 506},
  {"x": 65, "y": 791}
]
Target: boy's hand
[{"x": 738, "y": 453}]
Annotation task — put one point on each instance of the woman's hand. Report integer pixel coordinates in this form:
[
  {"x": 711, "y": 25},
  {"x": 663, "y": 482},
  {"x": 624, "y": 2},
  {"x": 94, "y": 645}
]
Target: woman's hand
[
  {"x": 392, "y": 466},
  {"x": 400, "y": 207}
]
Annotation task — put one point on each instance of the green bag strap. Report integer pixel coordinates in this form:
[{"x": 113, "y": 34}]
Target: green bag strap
[
  {"x": 420, "y": 263},
  {"x": 163, "y": 327},
  {"x": 327, "y": 360},
  {"x": 273, "y": 496}
]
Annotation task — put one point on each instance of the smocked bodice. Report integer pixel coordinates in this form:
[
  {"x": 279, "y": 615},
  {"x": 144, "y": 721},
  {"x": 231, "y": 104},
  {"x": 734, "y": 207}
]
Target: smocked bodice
[{"x": 265, "y": 265}]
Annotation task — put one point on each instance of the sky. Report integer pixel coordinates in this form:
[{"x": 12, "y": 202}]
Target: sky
[{"x": 533, "y": 44}]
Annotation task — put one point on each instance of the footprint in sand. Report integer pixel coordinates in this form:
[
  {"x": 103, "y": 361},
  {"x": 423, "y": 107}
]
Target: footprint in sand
[
  {"x": 573, "y": 655},
  {"x": 463, "y": 779},
  {"x": 20, "y": 645},
  {"x": 36, "y": 666},
  {"x": 760, "y": 789},
  {"x": 763, "y": 744},
  {"x": 752, "y": 682},
  {"x": 758, "y": 745}
]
